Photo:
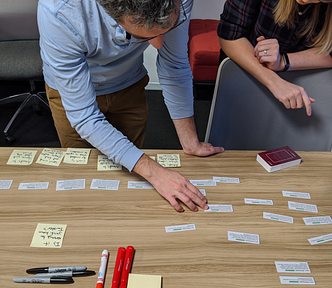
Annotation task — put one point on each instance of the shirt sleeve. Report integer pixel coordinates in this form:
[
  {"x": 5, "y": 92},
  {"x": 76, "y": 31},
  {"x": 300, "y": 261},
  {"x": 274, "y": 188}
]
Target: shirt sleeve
[
  {"x": 64, "y": 51},
  {"x": 174, "y": 70},
  {"x": 238, "y": 18}
]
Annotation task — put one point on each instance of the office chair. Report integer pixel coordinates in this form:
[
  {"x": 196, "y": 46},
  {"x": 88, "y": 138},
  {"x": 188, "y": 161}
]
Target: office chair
[
  {"x": 19, "y": 53},
  {"x": 245, "y": 115}
]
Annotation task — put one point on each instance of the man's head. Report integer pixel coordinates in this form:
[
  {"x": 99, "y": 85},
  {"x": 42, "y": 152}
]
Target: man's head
[
  {"x": 146, "y": 20},
  {"x": 147, "y": 14}
]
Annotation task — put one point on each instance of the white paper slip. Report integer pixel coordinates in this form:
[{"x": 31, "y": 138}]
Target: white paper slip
[
  {"x": 320, "y": 239},
  {"x": 296, "y": 194},
  {"x": 139, "y": 185},
  {"x": 302, "y": 207},
  {"x": 219, "y": 208},
  {"x": 226, "y": 179},
  {"x": 70, "y": 184},
  {"x": 277, "y": 217},
  {"x": 292, "y": 267},
  {"x": 203, "y": 182},
  {"x": 178, "y": 228},
  {"x": 30, "y": 186},
  {"x": 243, "y": 237},
  {"x": 317, "y": 220},
  {"x": 202, "y": 191},
  {"x": 297, "y": 280},
  {"x": 105, "y": 184},
  {"x": 5, "y": 184},
  {"x": 258, "y": 201}
]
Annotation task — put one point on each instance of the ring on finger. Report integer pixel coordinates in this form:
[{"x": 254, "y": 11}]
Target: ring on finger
[{"x": 265, "y": 52}]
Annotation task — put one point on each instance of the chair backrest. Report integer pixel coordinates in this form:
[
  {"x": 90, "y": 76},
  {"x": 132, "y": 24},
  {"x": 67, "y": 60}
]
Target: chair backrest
[
  {"x": 246, "y": 116},
  {"x": 19, "y": 41},
  {"x": 18, "y": 20}
]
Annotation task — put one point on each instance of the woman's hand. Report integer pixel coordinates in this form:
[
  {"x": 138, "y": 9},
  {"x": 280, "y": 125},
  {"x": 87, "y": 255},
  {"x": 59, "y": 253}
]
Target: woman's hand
[{"x": 267, "y": 52}]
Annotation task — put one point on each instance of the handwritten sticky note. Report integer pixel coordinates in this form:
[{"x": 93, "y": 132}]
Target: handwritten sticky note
[
  {"x": 144, "y": 281},
  {"x": 48, "y": 235},
  {"x": 169, "y": 160},
  {"x": 105, "y": 164},
  {"x": 21, "y": 157},
  {"x": 50, "y": 157},
  {"x": 77, "y": 156}
]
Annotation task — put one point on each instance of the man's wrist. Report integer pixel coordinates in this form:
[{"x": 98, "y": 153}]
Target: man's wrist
[{"x": 187, "y": 134}]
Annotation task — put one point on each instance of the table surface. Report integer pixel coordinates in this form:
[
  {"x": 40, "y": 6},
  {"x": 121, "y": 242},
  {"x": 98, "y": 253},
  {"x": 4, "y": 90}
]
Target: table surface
[{"x": 99, "y": 219}]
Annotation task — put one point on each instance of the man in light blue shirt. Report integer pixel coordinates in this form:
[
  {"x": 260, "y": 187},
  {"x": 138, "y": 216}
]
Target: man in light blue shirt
[{"x": 95, "y": 48}]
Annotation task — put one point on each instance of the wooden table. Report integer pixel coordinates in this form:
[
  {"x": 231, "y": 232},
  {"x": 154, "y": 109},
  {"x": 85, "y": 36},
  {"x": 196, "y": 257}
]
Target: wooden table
[{"x": 98, "y": 219}]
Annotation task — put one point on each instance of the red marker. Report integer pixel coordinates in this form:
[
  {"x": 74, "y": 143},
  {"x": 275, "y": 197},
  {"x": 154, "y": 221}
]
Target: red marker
[
  {"x": 126, "y": 266},
  {"x": 102, "y": 269},
  {"x": 118, "y": 267}
]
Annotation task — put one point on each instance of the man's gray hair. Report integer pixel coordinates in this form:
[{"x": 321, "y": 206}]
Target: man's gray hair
[{"x": 144, "y": 13}]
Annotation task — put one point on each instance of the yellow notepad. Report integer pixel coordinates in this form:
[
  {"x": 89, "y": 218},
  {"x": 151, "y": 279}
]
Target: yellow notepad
[
  {"x": 144, "y": 281},
  {"x": 48, "y": 235}
]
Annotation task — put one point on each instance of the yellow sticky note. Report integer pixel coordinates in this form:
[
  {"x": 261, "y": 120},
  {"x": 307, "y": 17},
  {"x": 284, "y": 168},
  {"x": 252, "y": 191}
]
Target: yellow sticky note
[
  {"x": 144, "y": 281},
  {"x": 77, "y": 156},
  {"x": 48, "y": 235},
  {"x": 21, "y": 157},
  {"x": 105, "y": 164},
  {"x": 169, "y": 160},
  {"x": 50, "y": 157}
]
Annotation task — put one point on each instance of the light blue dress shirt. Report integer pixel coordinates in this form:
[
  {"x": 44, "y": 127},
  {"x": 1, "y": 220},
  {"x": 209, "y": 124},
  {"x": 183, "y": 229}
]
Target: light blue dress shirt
[{"x": 85, "y": 54}]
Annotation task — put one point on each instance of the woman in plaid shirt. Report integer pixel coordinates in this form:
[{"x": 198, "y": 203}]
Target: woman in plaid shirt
[{"x": 264, "y": 36}]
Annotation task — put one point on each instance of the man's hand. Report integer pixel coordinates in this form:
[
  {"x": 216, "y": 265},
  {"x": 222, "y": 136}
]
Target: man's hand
[
  {"x": 170, "y": 184},
  {"x": 186, "y": 130},
  {"x": 203, "y": 149}
]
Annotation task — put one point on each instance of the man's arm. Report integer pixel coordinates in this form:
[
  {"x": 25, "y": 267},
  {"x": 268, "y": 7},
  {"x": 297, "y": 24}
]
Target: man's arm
[
  {"x": 170, "y": 184},
  {"x": 187, "y": 134}
]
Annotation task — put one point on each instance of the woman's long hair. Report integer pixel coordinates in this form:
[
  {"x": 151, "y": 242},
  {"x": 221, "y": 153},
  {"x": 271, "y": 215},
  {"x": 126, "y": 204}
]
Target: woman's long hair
[{"x": 285, "y": 12}]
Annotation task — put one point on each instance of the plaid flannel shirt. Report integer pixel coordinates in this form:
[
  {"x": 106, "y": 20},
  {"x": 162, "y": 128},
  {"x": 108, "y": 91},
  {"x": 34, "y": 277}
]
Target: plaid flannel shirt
[{"x": 254, "y": 18}]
